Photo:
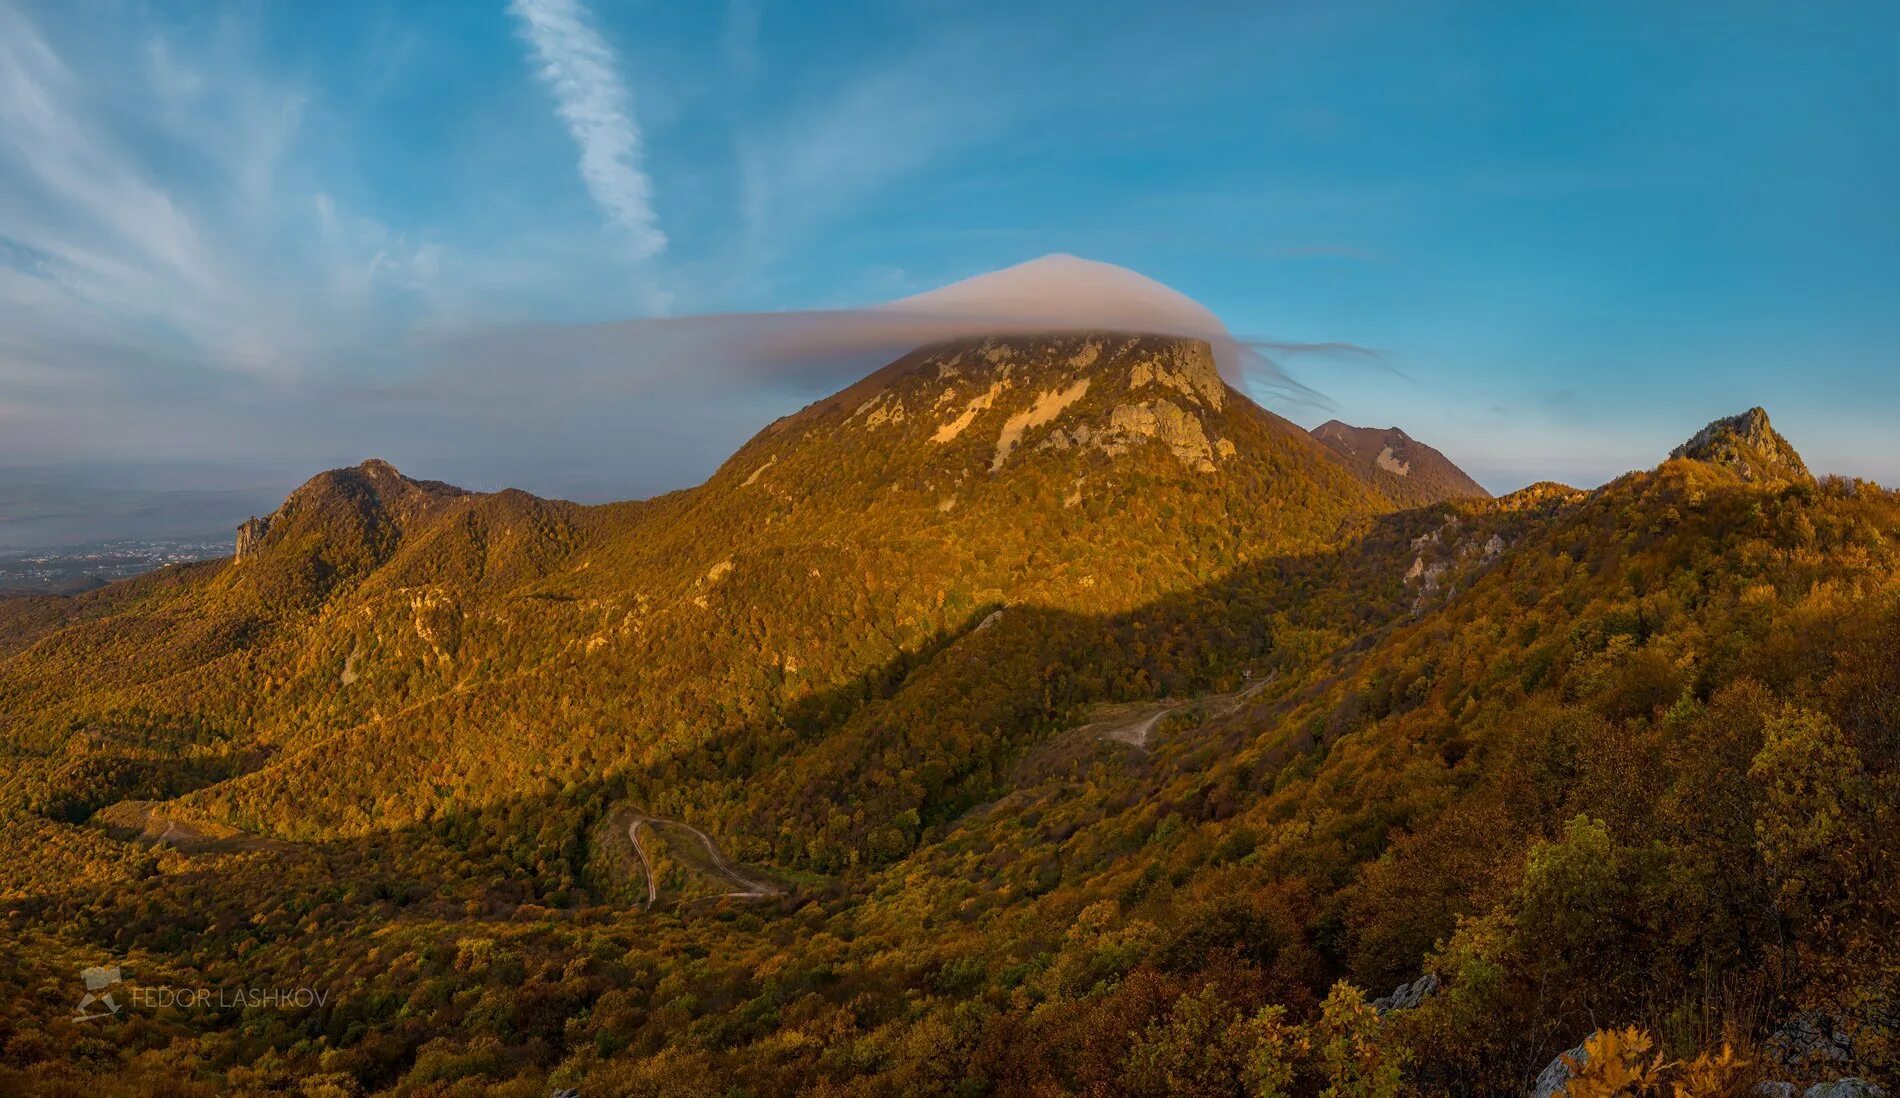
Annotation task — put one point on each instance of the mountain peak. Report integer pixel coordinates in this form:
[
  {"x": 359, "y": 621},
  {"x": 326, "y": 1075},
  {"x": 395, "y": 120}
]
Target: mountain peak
[
  {"x": 336, "y": 525},
  {"x": 1056, "y": 390},
  {"x": 1749, "y": 444},
  {"x": 1339, "y": 429},
  {"x": 1405, "y": 469}
]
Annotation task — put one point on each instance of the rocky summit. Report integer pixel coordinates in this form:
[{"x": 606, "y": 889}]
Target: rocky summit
[{"x": 1748, "y": 444}]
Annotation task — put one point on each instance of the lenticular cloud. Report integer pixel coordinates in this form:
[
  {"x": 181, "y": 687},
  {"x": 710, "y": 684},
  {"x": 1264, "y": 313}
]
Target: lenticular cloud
[{"x": 814, "y": 349}]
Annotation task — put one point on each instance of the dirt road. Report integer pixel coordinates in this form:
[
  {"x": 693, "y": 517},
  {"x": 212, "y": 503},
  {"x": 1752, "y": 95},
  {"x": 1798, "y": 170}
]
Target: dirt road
[
  {"x": 748, "y": 886},
  {"x": 1132, "y": 724},
  {"x": 646, "y": 863},
  {"x": 745, "y": 887},
  {"x": 145, "y": 821}
]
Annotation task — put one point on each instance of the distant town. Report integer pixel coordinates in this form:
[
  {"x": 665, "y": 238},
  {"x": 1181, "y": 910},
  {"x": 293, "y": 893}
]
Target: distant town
[{"x": 73, "y": 569}]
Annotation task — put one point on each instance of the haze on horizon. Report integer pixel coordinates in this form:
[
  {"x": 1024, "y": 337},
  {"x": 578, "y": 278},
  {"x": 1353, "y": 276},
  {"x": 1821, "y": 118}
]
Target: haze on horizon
[{"x": 589, "y": 250}]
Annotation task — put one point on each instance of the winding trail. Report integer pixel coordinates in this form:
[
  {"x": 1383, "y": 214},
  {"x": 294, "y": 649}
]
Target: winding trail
[{"x": 1133, "y": 728}]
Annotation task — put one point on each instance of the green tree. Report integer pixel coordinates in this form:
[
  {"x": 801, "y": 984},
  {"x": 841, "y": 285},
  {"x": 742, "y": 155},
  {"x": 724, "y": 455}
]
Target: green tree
[
  {"x": 1358, "y": 1058},
  {"x": 1812, "y": 794}
]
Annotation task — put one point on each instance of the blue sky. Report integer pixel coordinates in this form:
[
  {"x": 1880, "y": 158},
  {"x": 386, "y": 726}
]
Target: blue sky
[{"x": 1573, "y": 232}]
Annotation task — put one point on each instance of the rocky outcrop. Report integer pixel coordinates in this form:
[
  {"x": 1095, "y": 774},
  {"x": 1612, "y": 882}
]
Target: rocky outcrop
[
  {"x": 1556, "y": 1075},
  {"x": 1164, "y": 421},
  {"x": 1108, "y": 393},
  {"x": 1555, "y": 1079},
  {"x": 250, "y": 533},
  {"x": 1850, "y": 1087},
  {"x": 1130, "y": 424},
  {"x": 1748, "y": 444},
  {"x": 1047, "y": 407},
  {"x": 1408, "y": 996},
  {"x": 1811, "y": 1039},
  {"x": 1187, "y": 368},
  {"x": 1448, "y": 557}
]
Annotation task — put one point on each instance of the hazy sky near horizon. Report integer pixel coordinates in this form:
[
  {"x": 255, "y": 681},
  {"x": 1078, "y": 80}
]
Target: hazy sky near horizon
[{"x": 1572, "y": 232}]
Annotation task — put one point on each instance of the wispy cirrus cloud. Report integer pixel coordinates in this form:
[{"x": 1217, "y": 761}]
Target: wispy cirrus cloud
[
  {"x": 581, "y": 71},
  {"x": 172, "y": 262}
]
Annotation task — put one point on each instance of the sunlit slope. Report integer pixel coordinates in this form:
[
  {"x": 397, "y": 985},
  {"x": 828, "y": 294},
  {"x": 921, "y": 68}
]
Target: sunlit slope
[{"x": 399, "y": 645}]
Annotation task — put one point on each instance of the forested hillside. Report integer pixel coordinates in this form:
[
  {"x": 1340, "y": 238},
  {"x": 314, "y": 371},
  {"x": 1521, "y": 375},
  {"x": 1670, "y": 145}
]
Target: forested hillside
[{"x": 1038, "y": 716}]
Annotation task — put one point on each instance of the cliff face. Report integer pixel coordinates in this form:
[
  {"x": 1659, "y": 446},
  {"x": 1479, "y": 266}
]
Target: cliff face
[{"x": 250, "y": 533}]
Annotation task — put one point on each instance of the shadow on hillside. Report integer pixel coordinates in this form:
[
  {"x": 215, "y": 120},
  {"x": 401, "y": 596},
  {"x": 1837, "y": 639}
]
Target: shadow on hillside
[
  {"x": 844, "y": 780},
  {"x": 863, "y": 772}
]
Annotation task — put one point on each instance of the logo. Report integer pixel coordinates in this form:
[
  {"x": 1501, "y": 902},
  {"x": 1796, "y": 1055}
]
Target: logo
[
  {"x": 99, "y": 983},
  {"x": 101, "y": 980}
]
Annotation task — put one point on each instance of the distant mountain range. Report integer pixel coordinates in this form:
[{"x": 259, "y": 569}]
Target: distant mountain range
[{"x": 1037, "y": 715}]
